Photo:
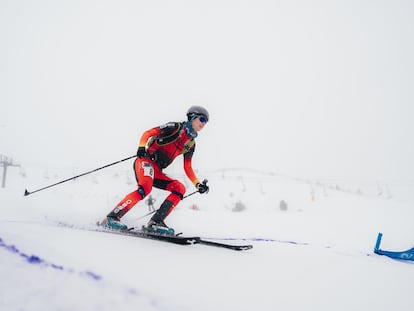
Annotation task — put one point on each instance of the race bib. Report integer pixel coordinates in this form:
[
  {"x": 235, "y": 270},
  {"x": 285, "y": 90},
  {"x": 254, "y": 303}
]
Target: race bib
[{"x": 148, "y": 169}]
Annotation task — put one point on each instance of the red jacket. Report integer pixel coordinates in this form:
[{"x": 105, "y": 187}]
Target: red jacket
[{"x": 165, "y": 143}]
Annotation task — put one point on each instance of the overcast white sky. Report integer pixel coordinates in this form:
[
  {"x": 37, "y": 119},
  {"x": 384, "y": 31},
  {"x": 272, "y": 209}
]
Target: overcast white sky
[{"x": 318, "y": 89}]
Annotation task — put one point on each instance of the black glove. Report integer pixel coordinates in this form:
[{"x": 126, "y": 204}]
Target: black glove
[
  {"x": 142, "y": 152},
  {"x": 202, "y": 187}
]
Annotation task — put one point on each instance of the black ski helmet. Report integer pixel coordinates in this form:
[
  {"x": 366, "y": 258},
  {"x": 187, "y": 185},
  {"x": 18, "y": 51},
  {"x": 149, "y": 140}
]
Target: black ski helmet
[{"x": 197, "y": 111}]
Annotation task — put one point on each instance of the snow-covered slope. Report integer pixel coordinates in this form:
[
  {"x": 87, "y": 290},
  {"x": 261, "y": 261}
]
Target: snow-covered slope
[{"x": 314, "y": 255}]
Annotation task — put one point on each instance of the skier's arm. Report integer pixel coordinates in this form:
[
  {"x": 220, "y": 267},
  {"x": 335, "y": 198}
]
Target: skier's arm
[
  {"x": 188, "y": 167},
  {"x": 147, "y": 135}
]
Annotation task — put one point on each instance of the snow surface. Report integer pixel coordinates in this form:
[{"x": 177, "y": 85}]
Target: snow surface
[{"x": 316, "y": 255}]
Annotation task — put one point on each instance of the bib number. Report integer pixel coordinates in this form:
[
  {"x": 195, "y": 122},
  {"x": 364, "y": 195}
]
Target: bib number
[{"x": 148, "y": 169}]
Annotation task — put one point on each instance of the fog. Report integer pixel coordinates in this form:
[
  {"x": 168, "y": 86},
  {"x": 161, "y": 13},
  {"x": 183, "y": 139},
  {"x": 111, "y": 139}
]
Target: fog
[{"x": 314, "y": 89}]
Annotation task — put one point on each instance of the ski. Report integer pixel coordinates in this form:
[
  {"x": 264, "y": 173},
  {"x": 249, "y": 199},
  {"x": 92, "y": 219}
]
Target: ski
[
  {"x": 175, "y": 239},
  {"x": 135, "y": 232},
  {"x": 178, "y": 239},
  {"x": 229, "y": 246}
]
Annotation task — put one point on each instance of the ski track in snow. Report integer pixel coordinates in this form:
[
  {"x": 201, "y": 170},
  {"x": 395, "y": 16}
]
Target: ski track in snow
[
  {"x": 36, "y": 260},
  {"x": 119, "y": 293},
  {"x": 93, "y": 228}
]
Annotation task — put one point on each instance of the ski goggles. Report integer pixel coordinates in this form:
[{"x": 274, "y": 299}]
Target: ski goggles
[{"x": 203, "y": 119}]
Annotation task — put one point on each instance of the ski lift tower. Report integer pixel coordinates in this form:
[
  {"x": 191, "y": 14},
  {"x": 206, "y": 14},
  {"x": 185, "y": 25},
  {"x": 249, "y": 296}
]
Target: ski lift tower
[{"x": 5, "y": 162}]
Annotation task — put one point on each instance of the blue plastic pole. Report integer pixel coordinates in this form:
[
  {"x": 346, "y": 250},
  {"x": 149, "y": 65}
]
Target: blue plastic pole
[{"x": 377, "y": 245}]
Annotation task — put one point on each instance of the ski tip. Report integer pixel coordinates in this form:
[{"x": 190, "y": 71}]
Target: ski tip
[
  {"x": 245, "y": 247},
  {"x": 26, "y": 193},
  {"x": 240, "y": 247}
]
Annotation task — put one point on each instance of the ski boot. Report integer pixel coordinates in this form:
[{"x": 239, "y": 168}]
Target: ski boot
[
  {"x": 113, "y": 223},
  {"x": 158, "y": 227}
]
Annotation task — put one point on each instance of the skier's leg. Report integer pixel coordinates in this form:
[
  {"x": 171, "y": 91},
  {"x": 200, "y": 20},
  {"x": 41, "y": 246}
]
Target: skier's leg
[
  {"x": 144, "y": 174},
  {"x": 177, "y": 190}
]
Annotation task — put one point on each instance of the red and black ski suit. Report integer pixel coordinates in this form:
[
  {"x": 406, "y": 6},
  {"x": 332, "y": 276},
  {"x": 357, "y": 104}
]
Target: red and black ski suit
[{"x": 163, "y": 144}]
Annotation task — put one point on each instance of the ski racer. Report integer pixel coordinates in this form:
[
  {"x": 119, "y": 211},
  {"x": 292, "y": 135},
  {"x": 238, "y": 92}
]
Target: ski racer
[{"x": 158, "y": 147}]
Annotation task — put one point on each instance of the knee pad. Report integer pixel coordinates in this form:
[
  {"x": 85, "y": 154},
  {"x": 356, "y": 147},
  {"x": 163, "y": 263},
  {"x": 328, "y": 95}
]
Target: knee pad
[
  {"x": 144, "y": 189},
  {"x": 177, "y": 188},
  {"x": 142, "y": 192}
]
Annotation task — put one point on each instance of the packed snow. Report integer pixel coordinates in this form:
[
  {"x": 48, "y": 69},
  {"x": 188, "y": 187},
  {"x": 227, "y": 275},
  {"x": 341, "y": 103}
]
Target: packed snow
[{"x": 312, "y": 244}]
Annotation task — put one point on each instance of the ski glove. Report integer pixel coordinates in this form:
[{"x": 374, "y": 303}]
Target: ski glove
[
  {"x": 202, "y": 187},
  {"x": 142, "y": 152}
]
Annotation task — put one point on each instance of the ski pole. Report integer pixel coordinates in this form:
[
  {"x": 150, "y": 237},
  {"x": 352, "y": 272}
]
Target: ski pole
[
  {"x": 188, "y": 195},
  {"x": 152, "y": 212},
  {"x": 26, "y": 193}
]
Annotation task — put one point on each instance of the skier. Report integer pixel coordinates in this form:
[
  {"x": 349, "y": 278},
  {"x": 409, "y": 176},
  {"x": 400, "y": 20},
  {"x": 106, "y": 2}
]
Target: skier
[{"x": 158, "y": 147}]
